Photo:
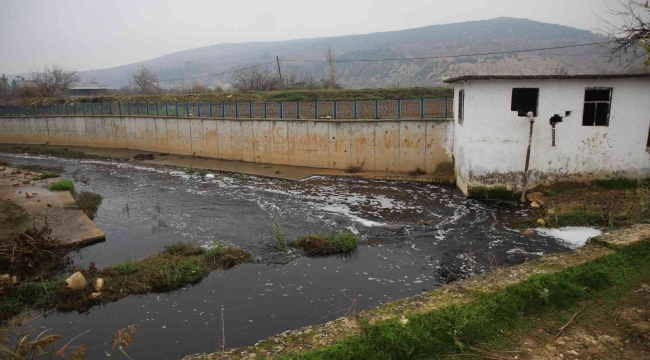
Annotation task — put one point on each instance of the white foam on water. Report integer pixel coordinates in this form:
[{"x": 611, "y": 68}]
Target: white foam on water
[{"x": 573, "y": 236}]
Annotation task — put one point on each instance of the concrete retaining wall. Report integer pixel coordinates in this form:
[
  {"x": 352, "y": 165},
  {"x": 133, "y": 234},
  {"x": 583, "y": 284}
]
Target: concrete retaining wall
[{"x": 376, "y": 145}]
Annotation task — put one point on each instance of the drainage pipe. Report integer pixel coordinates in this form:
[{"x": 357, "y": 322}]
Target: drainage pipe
[{"x": 531, "y": 118}]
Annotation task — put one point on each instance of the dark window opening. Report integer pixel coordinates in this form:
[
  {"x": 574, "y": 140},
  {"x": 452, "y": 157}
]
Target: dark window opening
[
  {"x": 597, "y": 106},
  {"x": 648, "y": 144},
  {"x": 461, "y": 106},
  {"x": 524, "y": 100}
]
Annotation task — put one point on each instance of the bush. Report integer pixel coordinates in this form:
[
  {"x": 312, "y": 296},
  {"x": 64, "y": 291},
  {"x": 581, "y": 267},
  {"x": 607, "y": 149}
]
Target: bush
[{"x": 63, "y": 185}]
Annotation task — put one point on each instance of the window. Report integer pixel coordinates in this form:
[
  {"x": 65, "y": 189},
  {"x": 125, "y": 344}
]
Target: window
[
  {"x": 597, "y": 104},
  {"x": 647, "y": 146},
  {"x": 461, "y": 106},
  {"x": 524, "y": 100}
]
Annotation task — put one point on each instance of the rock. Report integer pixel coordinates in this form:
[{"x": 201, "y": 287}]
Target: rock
[
  {"x": 99, "y": 284},
  {"x": 4, "y": 277},
  {"x": 95, "y": 295},
  {"x": 550, "y": 212},
  {"x": 404, "y": 321},
  {"x": 541, "y": 222},
  {"x": 39, "y": 200},
  {"x": 534, "y": 205},
  {"x": 76, "y": 281},
  {"x": 26, "y": 181},
  {"x": 49, "y": 205},
  {"x": 527, "y": 232},
  {"x": 14, "y": 280},
  {"x": 16, "y": 184},
  {"x": 28, "y": 194},
  {"x": 2, "y": 168}
]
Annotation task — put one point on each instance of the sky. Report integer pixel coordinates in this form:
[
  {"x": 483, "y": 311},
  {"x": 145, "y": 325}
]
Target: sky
[{"x": 96, "y": 34}]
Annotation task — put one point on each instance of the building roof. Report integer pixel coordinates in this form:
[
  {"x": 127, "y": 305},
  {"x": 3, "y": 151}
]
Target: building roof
[{"x": 543, "y": 77}]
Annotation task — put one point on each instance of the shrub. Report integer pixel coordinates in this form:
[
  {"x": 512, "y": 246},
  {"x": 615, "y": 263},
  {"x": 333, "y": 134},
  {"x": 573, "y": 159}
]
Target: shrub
[{"x": 63, "y": 185}]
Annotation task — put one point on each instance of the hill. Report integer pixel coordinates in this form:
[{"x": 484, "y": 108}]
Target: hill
[{"x": 495, "y": 35}]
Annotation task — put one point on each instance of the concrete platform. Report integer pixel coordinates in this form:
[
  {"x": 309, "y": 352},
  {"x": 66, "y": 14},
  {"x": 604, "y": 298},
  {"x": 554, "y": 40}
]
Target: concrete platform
[{"x": 68, "y": 223}]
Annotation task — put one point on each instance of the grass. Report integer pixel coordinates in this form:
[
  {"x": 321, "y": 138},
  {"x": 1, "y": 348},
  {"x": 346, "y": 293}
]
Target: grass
[
  {"x": 321, "y": 245},
  {"x": 577, "y": 218},
  {"x": 453, "y": 329},
  {"x": 178, "y": 265},
  {"x": 202, "y": 173},
  {"x": 62, "y": 185},
  {"x": 189, "y": 170},
  {"x": 616, "y": 183},
  {"x": 88, "y": 202},
  {"x": 47, "y": 175},
  {"x": 278, "y": 234}
]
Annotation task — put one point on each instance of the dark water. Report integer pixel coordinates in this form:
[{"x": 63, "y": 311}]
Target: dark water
[{"x": 146, "y": 208}]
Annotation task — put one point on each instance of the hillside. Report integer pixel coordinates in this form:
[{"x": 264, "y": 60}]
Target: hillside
[{"x": 501, "y": 34}]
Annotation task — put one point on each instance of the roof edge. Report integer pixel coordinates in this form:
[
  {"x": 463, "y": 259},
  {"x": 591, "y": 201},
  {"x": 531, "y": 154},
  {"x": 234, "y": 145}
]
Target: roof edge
[{"x": 543, "y": 77}]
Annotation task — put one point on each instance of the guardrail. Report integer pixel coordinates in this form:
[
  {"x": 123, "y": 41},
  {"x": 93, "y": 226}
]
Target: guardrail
[{"x": 377, "y": 109}]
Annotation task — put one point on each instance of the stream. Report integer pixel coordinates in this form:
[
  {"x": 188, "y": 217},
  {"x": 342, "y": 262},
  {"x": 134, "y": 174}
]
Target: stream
[{"x": 146, "y": 208}]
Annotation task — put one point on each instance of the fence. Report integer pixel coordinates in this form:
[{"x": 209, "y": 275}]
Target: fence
[{"x": 378, "y": 109}]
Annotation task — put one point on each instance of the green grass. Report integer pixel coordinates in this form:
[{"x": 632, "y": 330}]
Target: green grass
[
  {"x": 189, "y": 170},
  {"x": 320, "y": 245},
  {"x": 202, "y": 173},
  {"x": 62, "y": 185},
  {"x": 176, "y": 266},
  {"x": 46, "y": 175},
  {"x": 451, "y": 330},
  {"x": 278, "y": 235},
  {"x": 617, "y": 183},
  {"x": 88, "y": 202},
  {"x": 577, "y": 218}
]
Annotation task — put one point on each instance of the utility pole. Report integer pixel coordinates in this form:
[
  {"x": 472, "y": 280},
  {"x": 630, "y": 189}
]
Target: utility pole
[{"x": 277, "y": 58}]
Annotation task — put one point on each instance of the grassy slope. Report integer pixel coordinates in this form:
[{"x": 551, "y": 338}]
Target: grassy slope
[
  {"x": 456, "y": 329},
  {"x": 280, "y": 95}
]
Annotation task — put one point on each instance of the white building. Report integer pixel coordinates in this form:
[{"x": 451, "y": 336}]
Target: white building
[{"x": 604, "y": 130}]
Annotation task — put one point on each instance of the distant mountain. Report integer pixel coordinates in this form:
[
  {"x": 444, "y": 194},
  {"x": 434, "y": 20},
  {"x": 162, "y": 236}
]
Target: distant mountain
[{"x": 495, "y": 35}]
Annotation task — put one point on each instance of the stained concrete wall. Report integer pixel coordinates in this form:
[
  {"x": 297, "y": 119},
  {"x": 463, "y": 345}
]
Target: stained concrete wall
[
  {"x": 376, "y": 145},
  {"x": 490, "y": 145}
]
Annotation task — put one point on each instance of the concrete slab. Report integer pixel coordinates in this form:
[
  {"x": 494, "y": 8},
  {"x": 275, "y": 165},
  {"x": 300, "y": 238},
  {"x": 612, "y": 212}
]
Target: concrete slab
[{"x": 68, "y": 223}]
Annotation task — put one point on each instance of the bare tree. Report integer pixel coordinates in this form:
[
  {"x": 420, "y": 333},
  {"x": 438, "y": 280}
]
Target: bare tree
[
  {"x": 258, "y": 78},
  {"x": 330, "y": 83},
  {"x": 54, "y": 81},
  {"x": 144, "y": 80},
  {"x": 632, "y": 34}
]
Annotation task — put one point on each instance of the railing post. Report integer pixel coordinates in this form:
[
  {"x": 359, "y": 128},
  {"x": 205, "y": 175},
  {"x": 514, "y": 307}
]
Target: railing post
[
  {"x": 266, "y": 109},
  {"x": 110, "y": 106},
  {"x": 335, "y": 109},
  {"x": 101, "y": 107},
  {"x": 157, "y": 109},
  {"x": 355, "y": 110},
  {"x": 177, "y": 115},
  {"x": 316, "y": 109},
  {"x": 147, "y": 108},
  {"x": 211, "y": 113},
  {"x": 421, "y": 108},
  {"x": 236, "y": 109},
  {"x": 297, "y": 109},
  {"x": 74, "y": 108},
  {"x": 50, "y": 110},
  {"x": 281, "y": 109},
  {"x": 399, "y": 109},
  {"x": 198, "y": 108},
  {"x": 92, "y": 108},
  {"x": 137, "y": 107},
  {"x": 187, "y": 108},
  {"x": 223, "y": 109},
  {"x": 166, "y": 109},
  {"x": 128, "y": 108},
  {"x": 445, "y": 107},
  {"x": 376, "y": 109}
]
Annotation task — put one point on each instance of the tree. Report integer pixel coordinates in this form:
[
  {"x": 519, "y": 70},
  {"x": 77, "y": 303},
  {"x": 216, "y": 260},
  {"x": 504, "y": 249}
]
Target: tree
[
  {"x": 54, "y": 81},
  {"x": 4, "y": 86},
  {"x": 330, "y": 83},
  {"x": 257, "y": 78},
  {"x": 632, "y": 35},
  {"x": 144, "y": 80}
]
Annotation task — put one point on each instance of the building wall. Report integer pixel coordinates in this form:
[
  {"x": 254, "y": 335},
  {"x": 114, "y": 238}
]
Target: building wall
[
  {"x": 490, "y": 146},
  {"x": 376, "y": 145}
]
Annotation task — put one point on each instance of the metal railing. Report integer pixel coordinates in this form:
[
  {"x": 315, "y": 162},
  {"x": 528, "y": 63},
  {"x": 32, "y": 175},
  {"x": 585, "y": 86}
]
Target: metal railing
[{"x": 377, "y": 109}]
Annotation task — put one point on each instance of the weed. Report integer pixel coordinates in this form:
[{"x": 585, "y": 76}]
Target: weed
[
  {"x": 189, "y": 170},
  {"x": 278, "y": 233},
  {"x": 26, "y": 347},
  {"x": 202, "y": 173},
  {"x": 158, "y": 207},
  {"x": 62, "y": 185},
  {"x": 239, "y": 176},
  {"x": 183, "y": 249},
  {"x": 125, "y": 268},
  {"x": 352, "y": 169},
  {"x": 216, "y": 251},
  {"x": 551, "y": 193},
  {"x": 417, "y": 172},
  {"x": 46, "y": 175},
  {"x": 127, "y": 209},
  {"x": 321, "y": 245},
  {"x": 88, "y": 202},
  {"x": 616, "y": 183},
  {"x": 122, "y": 340}
]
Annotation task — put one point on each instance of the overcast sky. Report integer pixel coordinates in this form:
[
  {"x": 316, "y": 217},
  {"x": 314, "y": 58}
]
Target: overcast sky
[{"x": 94, "y": 34}]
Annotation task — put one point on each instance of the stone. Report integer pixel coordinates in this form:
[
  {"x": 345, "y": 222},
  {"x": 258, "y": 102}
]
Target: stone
[
  {"x": 95, "y": 295},
  {"x": 534, "y": 205},
  {"x": 541, "y": 222},
  {"x": 76, "y": 281},
  {"x": 99, "y": 284},
  {"x": 4, "y": 277},
  {"x": 404, "y": 321},
  {"x": 28, "y": 194},
  {"x": 49, "y": 205},
  {"x": 528, "y": 232},
  {"x": 2, "y": 168},
  {"x": 16, "y": 184},
  {"x": 550, "y": 212},
  {"x": 26, "y": 181}
]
